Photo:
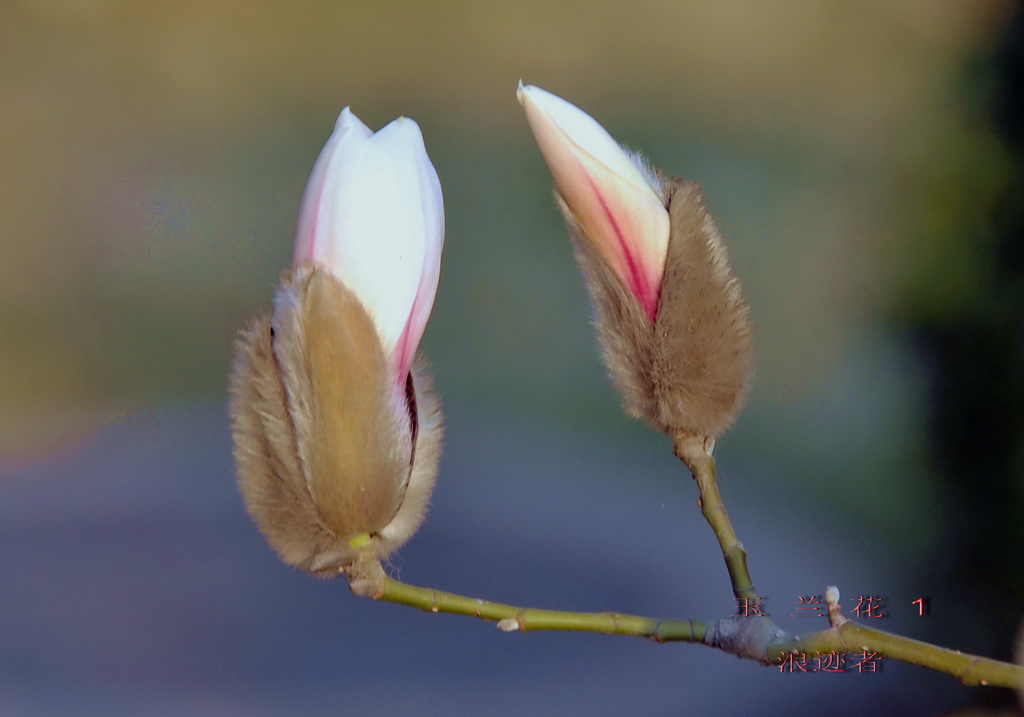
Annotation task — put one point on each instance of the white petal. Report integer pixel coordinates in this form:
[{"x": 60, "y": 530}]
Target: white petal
[
  {"x": 587, "y": 133},
  {"x": 370, "y": 234},
  {"x": 373, "y": 215},
  {"x": 616, "y": 206},
  {"x": 348, "y": 126},
  {"x": 405, "y": 141}
]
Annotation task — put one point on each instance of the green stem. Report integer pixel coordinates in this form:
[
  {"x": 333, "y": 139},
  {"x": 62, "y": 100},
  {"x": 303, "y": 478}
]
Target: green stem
[
  {"x": 511, "y": 618},
  {"x": 756, "y": 639},
  {"x": 853, "y": 637},
  {"x": 693, "y": 451}
]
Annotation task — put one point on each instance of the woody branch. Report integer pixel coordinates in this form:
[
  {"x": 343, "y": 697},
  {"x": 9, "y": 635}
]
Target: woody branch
[{"x": 753, "y": 638}]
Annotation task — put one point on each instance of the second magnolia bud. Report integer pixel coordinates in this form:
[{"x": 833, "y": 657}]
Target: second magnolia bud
[{"x": 681, "y": 354}]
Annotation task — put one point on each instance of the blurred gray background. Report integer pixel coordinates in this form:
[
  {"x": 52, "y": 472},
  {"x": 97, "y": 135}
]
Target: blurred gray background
[{"x": 864, "y": 159}]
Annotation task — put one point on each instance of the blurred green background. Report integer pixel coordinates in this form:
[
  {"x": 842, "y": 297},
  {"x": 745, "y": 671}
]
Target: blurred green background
[{"x": 152, "y": 157}]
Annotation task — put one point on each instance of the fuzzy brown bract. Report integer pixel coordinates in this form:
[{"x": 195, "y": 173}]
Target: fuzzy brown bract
[
  {"x": 688, "y": 372},
  {"x": 328, "y": 452}
]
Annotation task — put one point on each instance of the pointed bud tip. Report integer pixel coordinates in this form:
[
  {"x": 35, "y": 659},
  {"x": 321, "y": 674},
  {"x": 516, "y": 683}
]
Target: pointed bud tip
[
  {"x": 348, "y": 121},
  {"x": 618, "y": 207}
]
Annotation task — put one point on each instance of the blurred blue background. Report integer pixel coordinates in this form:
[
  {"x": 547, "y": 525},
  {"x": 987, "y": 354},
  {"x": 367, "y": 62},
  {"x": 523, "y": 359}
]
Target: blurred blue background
[{"x": 863, "y": 158}]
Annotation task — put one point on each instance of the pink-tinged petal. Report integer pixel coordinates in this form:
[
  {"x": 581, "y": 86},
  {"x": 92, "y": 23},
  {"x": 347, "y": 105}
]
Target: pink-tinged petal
[
  {"x": 348, "y": 125},
  {"x": 372, "y": 214},
  {"x": 613, "y": 201},
  {"x": 370, "y": 237},
  {"x": 405, "y": 141}
]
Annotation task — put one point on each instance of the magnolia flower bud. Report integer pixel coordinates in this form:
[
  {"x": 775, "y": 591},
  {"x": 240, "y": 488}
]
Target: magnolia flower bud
[
  {"x": 337, "y": 436},
  {"x": 674, "y": 329}
]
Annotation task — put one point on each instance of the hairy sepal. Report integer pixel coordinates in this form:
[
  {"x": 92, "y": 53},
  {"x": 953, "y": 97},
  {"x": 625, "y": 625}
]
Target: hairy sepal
[
  {"x": 323, "y": 440},
  {"x": 687, "y": 371}
]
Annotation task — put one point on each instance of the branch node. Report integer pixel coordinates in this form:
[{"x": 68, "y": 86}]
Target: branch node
[
  {"x": 747, "y": 637},
  {"x": 366, "y": 576}
]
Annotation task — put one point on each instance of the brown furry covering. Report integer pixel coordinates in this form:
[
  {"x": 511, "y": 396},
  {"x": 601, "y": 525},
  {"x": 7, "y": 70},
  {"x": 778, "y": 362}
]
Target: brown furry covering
[
  {"x": 689, "y": 371},
  {"x": 624, "y": 330},
  {"x": 704, "y": 355},
  {"x": 322, "y": 446}
]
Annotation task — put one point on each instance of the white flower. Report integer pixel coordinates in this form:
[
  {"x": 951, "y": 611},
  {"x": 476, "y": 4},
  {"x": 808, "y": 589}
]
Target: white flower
[
  {"x": 337, "y": 434},
  {"x": 373, "y": 215}
]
